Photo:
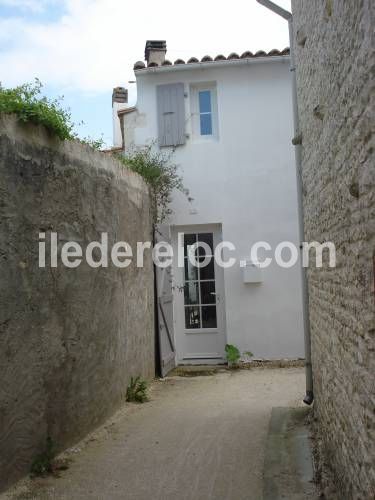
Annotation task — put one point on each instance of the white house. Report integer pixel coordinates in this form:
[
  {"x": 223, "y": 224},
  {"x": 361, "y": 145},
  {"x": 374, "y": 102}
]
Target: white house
[{"x": 230, "y": 120}]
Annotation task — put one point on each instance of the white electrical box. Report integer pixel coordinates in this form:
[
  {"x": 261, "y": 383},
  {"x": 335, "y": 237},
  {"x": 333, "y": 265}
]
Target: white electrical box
[{"x": 252, "y": 272}]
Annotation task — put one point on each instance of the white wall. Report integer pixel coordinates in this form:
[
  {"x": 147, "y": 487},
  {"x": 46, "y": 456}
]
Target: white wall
[
  {"x": 117, "y": 137},
  {"x": 245, "y": 181}
]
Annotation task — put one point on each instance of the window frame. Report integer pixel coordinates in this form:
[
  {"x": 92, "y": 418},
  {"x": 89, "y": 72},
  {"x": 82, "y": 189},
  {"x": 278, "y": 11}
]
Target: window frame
[{"x": 195, "y": 90}]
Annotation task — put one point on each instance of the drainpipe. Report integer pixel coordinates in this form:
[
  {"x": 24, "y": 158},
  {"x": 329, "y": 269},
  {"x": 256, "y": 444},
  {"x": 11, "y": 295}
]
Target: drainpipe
[{"x": 297, "y": 142}]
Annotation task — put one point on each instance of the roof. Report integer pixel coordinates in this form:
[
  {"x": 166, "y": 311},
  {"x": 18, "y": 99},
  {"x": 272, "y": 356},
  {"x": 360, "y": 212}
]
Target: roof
[
  {"x": 124, "y": 111},
  {"x": 139, "y": 65}
]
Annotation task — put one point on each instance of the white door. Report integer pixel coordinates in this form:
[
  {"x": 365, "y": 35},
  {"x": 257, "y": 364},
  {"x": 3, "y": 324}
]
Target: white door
[{"x": 199, "y": 299}]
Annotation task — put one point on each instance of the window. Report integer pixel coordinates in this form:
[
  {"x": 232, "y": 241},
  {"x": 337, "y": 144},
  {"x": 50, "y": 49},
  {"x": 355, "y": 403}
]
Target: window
[{"x": 205, "y": 112}]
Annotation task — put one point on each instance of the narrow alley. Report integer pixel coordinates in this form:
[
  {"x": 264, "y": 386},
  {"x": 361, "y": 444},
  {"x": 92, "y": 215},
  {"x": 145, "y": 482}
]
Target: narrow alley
[{"x": 197, "y": 438}]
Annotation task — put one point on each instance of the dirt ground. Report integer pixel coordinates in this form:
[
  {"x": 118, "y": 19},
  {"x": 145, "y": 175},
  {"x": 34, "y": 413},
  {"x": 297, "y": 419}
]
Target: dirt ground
[{"x": 198, "y": 438}]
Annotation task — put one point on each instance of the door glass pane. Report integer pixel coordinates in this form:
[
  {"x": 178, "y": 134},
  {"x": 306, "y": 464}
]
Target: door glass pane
[
  {"x": 206, "y": 238},
  {"x": 189, "y": 240},
  {"x": 192, "y": 319},
  {"x": 207, "y": 272},
  {"x": 205, "y": 101},
  {"x": 191, "y": 272},
  {"x": 206, "y": 124},
  {"x": 208, "y": 295},
  {"x": 209, "y": 317},
  {"x": 199, "y": 285},
  {"x": 191, "y": 293}
]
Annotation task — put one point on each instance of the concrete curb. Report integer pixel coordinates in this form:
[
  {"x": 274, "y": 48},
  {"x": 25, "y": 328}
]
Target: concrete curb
[{"x": 288, "y": 465}]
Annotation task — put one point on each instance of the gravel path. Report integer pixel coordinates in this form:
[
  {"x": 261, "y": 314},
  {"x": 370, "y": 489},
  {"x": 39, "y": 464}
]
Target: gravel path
[{"x": 198, "y": 438}]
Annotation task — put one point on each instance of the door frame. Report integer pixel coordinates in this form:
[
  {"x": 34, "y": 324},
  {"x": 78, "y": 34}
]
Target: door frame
[{"x": 178, "y": 315}]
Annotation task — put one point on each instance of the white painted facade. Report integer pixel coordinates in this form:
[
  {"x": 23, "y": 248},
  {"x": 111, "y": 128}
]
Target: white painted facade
[{"x": 243, "y": 182}]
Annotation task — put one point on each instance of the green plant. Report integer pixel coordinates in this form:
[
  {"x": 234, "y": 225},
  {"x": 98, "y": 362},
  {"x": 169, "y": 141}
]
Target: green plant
[
  {"x": 233, "y": 354},
  {"x": 94, "y": 143},
  {"x": 249, "y": 354},
  {"x": 160, "y": 173},
  {"x": 43, "y": 462},
  {"x": 137, "y": 390},
  {"x": 26, "y": 101}
]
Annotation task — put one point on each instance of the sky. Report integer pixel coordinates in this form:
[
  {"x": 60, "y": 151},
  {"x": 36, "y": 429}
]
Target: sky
[{"x": 81, "y": 49}]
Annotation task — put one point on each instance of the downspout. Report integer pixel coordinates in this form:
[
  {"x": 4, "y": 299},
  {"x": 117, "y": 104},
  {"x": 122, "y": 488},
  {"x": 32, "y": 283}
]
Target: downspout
[{"x": 297, "y": 142}]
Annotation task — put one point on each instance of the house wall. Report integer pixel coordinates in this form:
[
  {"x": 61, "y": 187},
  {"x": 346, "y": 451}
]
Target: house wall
[
  {"x": 337, "y": 113},
  {"x": 246, "y": 182},
  {"x": 69, "y": 338}
]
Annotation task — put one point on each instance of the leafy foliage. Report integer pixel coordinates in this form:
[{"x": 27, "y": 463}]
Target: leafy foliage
[
  {"x": 249, "y": 354},
  {"x": 29, "y": 105},
  {"x": 94, "y": 143},
  {"x": 43, "y": 462},
  {"x": 137, "y": 390},
  {"x": 26, "y": 102},
  {"x": 160, "y": 173},
  {"x": 233, "y": 354}
]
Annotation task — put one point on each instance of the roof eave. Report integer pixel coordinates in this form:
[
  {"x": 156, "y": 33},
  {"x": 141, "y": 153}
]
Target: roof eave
[
  {"x": 212, "y": 64},
  {"x": 125, "y": 111}
]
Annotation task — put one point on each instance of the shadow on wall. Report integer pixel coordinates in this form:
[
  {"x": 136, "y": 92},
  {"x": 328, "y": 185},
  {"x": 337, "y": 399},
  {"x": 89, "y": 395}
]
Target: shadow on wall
[{"x": 69, "y": 338}]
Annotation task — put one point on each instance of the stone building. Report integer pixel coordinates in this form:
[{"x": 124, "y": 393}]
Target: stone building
[{"x": 335, "y": 61}]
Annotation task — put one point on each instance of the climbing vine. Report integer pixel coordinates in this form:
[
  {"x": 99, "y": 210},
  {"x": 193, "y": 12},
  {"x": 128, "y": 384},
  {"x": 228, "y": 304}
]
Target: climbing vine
[{"x": 160, "y": 173}]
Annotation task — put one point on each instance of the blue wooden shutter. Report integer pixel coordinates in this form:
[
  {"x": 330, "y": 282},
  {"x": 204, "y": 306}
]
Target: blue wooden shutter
[{"x": 171, "y": 114}]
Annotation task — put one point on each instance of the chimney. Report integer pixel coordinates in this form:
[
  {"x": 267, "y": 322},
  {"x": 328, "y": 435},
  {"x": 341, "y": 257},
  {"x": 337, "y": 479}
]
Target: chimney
[
  {"x": 119, "y": 101},
  {"x": 155, "y": 51},
  {"x": 120, "y": 95}
]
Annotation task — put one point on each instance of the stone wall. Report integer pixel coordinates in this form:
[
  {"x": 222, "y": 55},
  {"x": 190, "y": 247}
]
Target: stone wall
[
  {"x": 335, "y": 63},
  {"x": 69, "y": 338}
]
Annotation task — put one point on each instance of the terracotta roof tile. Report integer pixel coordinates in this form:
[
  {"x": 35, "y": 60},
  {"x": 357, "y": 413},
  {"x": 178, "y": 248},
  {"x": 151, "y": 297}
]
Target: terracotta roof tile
[
  {"x": 193, "y": 60},
  {"x": 139, "y": 65},
  {"x": 233, "y": 55}
]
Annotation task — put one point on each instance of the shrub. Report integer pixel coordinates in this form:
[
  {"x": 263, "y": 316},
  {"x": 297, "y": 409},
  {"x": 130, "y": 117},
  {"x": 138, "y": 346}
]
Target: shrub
[
  {"x": 28, "y": 104},
  {"x": 160, "y": 173}
]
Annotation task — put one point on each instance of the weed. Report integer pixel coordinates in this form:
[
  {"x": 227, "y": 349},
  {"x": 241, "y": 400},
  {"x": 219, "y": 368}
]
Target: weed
[
  {"x": 43, "y": 462},
  {"x": 233, "y": 354},
  {"x": 28, "y": 104},
  {"x": 94, "y": 143},
  {"x": 137, "y": 390}
]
